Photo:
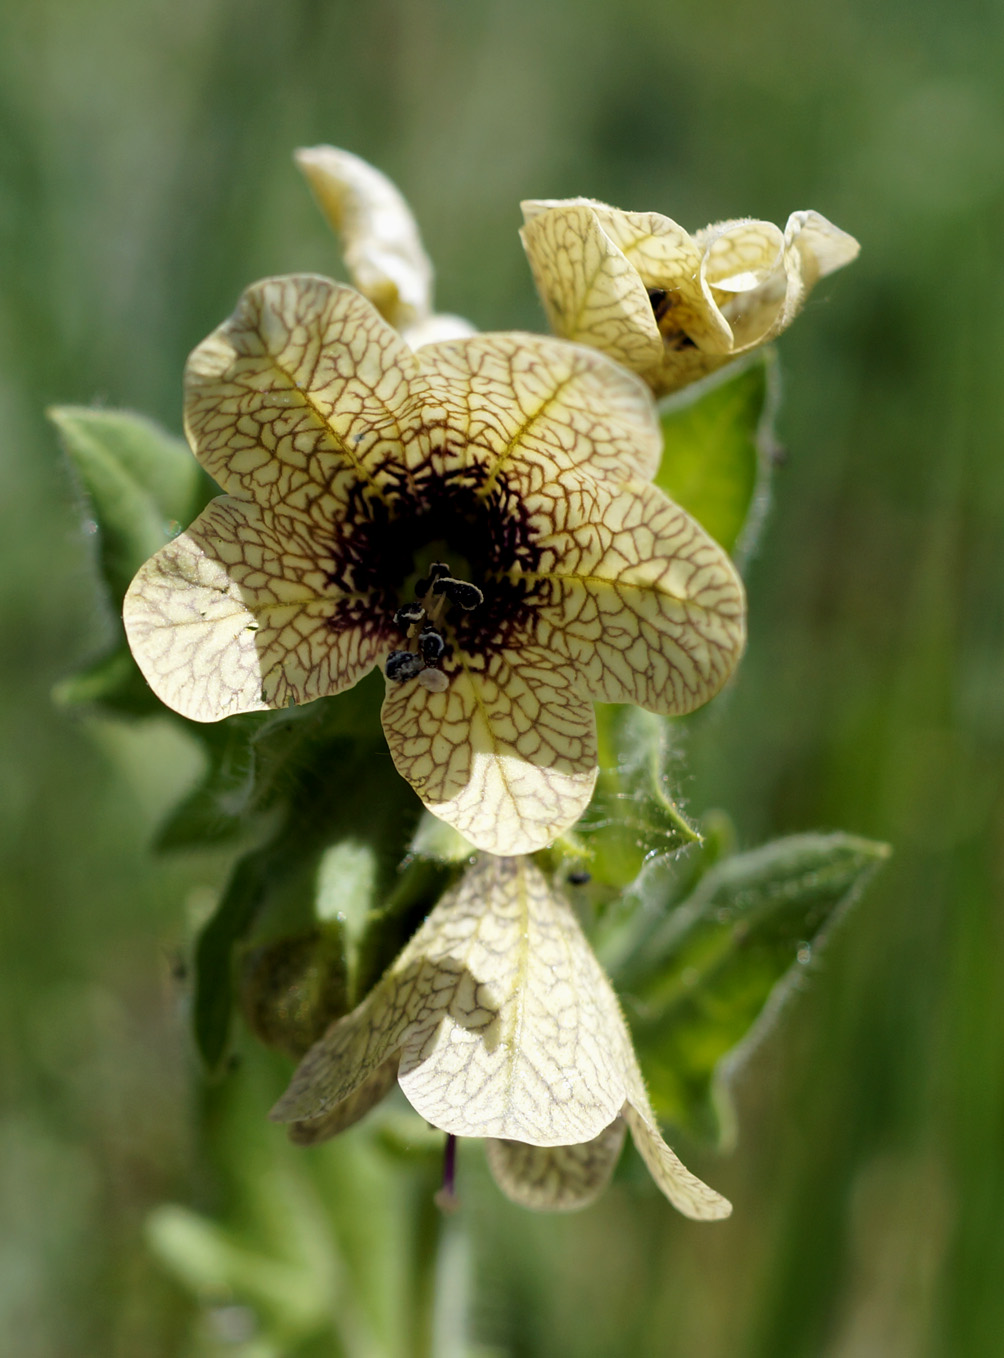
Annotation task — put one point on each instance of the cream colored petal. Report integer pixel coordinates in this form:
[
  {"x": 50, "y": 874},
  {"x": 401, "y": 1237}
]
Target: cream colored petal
[
  {"x": 686, "y": 1191},
  {"x": 535, "y": 207},
  {"x": 498, "y": 1014},
  {"x": 507, "y": 1028},
  {"x": 528, "y": 408},
  {"x": 591, "y": 292},
  {"x": 350, "y": 1110},
  {"x": 821, "y": 246},
  {"x": 237, "y": 615},
  {"x": 520, "y": 1052},
  {"x": 668, "y": 258},
  {"x": 506, "y": 755},
  {"x": 556, "y": 1178},
  {"x": 437, "y": 329},
  {"x": 740, "y": 256},
  {"x": 346, "y": 1070},
  {"x": 380, "y": 240},
  {"x": 636, "y": 596},
  {"x": 302, "y": 396}
]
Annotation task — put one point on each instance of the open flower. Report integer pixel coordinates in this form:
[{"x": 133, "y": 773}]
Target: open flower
[
  {"x": 671, "y": 306},
  {"x": 475, "y": 517},
  {"x": 381, "y": 244},
  {"x": 497, "y": 1021}
]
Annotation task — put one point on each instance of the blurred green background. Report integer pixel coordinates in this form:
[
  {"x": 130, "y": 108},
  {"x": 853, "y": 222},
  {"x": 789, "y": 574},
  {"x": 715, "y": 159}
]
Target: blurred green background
[{"x": 145, "y": 178}]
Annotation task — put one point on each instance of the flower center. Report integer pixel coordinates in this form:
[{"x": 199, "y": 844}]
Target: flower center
[
  {"x": 663, "y": 302},
  {"x": 421, "y": 621},
  {"x": 441, "y": 569}
]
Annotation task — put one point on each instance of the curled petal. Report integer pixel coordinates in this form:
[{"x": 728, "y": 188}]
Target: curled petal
[
  {"x": 642, "y": 603},
  {"x": 301, "y": 396},
  {"x": 380, "y": 240},
  {"x": 669, "y": 305},
  {"x": 590, "y": 290},
  {"x": 236, "y": 615},
  {"x": 688, "y": 1194},
  {"x": 505, "y": 754},
  {"x": 347, "y": 1113},
  {"x": 556, "y": 1178},
  {"x": 821, "y": 246},
  {"x": 530, "y": 408}
]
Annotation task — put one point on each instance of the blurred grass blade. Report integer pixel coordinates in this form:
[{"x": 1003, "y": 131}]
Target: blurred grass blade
[
  {"x": 714, "y": 973},
  {"x": 717, "y": 444},
  {"x": 112, "y": 682}
]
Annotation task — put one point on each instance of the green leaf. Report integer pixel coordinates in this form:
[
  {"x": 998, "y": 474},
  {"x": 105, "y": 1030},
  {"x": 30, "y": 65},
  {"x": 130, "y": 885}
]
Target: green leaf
[
  {"x": 142, "y": 484},
  {"x": 221, "y": 806},
  {"x": 716, "y": 451},
  {"x": 632, "y": 817},
  {"x": 713, "y": 973},
  {"x": 112, "y": 682},
  {"x": 328, "y": 781}
]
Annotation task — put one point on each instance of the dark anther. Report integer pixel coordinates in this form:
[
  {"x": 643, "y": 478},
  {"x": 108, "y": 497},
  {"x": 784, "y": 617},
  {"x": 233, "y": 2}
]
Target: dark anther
[
  {"x": 431, "y": 644},
  {"x": 403, "y": 665},
  {"x": 408, "y": 614},
  {"x": 579, "y": 878},
  {"x": 459, "y": 592},
  {"x": 659, "y": 298}
]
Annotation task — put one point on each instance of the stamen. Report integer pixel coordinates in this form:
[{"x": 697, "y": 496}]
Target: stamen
[
  {"x": 402, "y": 665},
  {"x": 431, "y": 645},
  {"x": 459, "y": 592},
  {"x": 408, "y": 614}
]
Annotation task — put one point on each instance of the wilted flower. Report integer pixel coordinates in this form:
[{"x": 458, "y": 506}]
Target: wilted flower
[
  {"x": 497, "y": 1021},
  {"x": 668, "y": 305},
  {"x": 476, "y": 518},
  {"x": 381, "y": 244}
]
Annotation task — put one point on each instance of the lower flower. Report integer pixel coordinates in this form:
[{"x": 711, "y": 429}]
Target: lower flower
[{"x": 498, "y": 1021}]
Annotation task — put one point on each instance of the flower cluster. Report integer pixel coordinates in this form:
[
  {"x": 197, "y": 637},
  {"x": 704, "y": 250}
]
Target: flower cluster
[{"x": 474, "y": 516}]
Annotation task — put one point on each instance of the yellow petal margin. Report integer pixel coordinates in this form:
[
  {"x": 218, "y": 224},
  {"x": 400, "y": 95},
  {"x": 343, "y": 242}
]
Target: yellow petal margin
[
  {"x": 506, "y": 755},
  {"x": 235, "y": 615}
]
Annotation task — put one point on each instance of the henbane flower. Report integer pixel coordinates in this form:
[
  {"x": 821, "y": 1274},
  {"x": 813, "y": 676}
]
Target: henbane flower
[
  {"x": 669, "y": 305},
  {"x": 497, "y": 1021},
  {"x": 476, "y": 518}
]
